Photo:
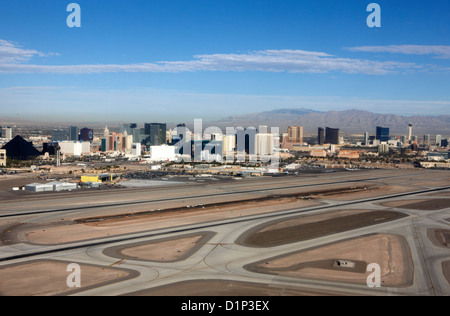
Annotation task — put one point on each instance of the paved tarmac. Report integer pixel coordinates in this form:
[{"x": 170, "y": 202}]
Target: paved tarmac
[{"x": 221, "y": 259}]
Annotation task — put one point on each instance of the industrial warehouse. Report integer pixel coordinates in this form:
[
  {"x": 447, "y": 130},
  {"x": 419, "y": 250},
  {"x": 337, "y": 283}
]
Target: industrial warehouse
[
  {"x": 86, "y": 182},
  {"x": 55, "y": 186}
]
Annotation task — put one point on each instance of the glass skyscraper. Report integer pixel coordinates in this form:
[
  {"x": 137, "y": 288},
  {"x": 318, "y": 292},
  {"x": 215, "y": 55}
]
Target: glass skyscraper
[
  {"x": 332, "y": 136},
  {"x": 321, "y": 136},
  {"x": 73, "y": 132},
  {"x": 382, "y": 134},
  {"x": 157, "y": 133}
]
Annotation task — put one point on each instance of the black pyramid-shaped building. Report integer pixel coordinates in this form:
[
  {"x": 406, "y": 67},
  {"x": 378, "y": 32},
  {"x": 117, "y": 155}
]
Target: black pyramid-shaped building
[{"x": 19, "y": 149}]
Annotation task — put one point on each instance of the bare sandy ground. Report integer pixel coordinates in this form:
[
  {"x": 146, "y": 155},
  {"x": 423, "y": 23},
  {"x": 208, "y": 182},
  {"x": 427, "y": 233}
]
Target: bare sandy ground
[
  {"x": 439, "y": 237},
  {"x": 445, "y": 193},
  {"x": 166, "y": 251},
  {"x": 64, "y": 233},
  {"x": 435, "y": 183},
  {"x": 446, "y": 270},
  {"x": 310, "y": 219},
  {"x": 7, "y": 182},
  {"x": 47, "y": 278},
  {"x": 390, "y": 251},
  {"x": 423, "y": 205},
  {"x": 307, "y": 227},
  {"x": 373, "y": 191},
  {"x": 401, "y": 203},
  {"x": 162, "y": 250}
]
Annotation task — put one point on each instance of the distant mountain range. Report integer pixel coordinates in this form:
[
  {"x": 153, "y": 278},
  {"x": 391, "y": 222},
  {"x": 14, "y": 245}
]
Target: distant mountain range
[{"x": 350, "y": 121}]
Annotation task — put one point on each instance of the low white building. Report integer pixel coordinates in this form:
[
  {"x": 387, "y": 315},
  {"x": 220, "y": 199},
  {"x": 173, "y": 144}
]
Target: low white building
[
  {"x": 38, "y": 187},
  {"x": 63, "y": 186},
  {"x": 162, "y": 153},
  {"x": 51, "y": 187},
  {"x": 136, "y": 149},
  {"x": 293, "y": 166},
  {"x": 74, "y": 148},
  {"x": 205, "y": 155}
]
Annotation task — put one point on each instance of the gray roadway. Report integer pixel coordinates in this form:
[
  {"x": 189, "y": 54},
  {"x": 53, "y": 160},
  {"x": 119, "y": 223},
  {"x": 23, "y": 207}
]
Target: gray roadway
[{"x": 226, "y": 261}]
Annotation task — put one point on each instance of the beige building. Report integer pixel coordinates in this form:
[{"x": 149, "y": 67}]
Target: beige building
[
  {"x": 294, "y": 137},
  {"x": 295, "y": 134},
  {"x": 2, "y": 157},
  {"x": 229, "y": 145},
  {"x": 318, "y": 153},
  {"x": 127, "y": 142},
  {"x": 349, "y": 154}
]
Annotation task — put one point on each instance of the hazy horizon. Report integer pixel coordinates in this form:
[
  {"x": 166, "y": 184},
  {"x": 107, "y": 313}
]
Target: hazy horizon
[
  {"x": 180, "y": 60},
  {"x": 113, "y": 122}
]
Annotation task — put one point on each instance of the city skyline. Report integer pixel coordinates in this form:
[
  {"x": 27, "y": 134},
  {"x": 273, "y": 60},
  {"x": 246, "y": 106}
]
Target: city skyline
[
  {"x": 348, "y": 122},
  {"x": 183, "y": 60}
]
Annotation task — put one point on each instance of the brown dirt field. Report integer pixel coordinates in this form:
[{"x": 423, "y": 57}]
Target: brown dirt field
[
  {"x": 434, "y": 183},
  {"x": 400, "y": 204},
  {"x": 64, "y": 233},
  {"x": 446, "y": 270},
  {"x": 302, "y": 228},
  {"x": 48, "y": 278},
  {"x": 163, "y": 250},
  {"x": 422, "y": 205},
  {"x": 288, "y": 197},
  {"x": 439, "y": 237},
  {"x": 228, "y": 288},
  {"x": 445, "y": 193},
  {"x": 372, "y": 191},
  {"x": 7, "y": 182},
  {"x": 390, "y": 251}
]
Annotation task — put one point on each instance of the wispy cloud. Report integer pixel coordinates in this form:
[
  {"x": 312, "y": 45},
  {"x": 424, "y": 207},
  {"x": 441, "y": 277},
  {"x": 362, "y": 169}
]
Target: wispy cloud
[
  {"x": 14, "y": 59},
  {"x": 10, "y": 53},
  {"x": 292, "y": 61},
  {"x": 437, "y": 51}
]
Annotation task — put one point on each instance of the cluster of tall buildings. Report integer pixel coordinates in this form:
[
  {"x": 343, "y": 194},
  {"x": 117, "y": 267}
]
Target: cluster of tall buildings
[
  {"x": 212, "y": 144},
  {"x": 151, "y": 134},
  {"x": 122, "y": 142},
  {"x": 73, "y": 133},
  {"x": 383, "y": 136}
]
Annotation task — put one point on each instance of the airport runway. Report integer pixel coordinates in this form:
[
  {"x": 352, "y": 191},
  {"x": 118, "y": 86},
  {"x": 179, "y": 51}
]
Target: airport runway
[{"x": 167, "y": 253}]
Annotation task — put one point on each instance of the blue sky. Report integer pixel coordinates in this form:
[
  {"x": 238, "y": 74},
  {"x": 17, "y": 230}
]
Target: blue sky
[{"x": 175, "y": 60}]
